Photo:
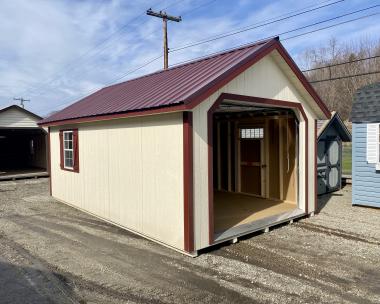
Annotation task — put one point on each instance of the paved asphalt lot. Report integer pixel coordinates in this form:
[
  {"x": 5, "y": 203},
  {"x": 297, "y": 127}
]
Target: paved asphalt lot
[{"x": 52, "y": 253}]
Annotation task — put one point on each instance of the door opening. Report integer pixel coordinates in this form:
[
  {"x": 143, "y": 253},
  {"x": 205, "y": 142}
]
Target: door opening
[{"x": 255, "y": 168}]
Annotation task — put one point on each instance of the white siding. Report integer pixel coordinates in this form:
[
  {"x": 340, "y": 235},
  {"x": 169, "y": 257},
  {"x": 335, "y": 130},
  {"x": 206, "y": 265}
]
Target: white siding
[
  {"x": 131, "y": 173},
  {"x": 265, "y": 79},
  {"x": 15, "y": 118}
]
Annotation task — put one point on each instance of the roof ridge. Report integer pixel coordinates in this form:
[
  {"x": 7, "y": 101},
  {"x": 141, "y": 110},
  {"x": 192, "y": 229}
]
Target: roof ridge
[{"x": 199, "y": 59}]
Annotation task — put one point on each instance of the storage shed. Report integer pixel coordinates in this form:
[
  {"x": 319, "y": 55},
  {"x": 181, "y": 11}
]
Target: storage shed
[
  {"x": 23, "y": 144},
  {"x": 195, "y": 155},
  {"x": 331, "y": 133},
  {"x": 365, "y": 119}
]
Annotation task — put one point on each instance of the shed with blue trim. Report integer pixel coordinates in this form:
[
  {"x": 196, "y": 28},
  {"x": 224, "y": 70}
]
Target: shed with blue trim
[{"x": 365, "y": 146}]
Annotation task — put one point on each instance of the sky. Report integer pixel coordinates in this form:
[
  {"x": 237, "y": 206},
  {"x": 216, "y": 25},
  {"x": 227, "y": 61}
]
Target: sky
[{"x": 55, "y": 52}]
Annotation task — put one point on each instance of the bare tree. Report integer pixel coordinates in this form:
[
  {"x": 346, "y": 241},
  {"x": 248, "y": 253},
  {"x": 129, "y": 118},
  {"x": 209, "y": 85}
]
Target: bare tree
[{"x": 338, "y": 94}]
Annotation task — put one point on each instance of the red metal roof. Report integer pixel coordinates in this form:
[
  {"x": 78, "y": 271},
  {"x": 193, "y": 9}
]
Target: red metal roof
[
  {"x": 163, "y": 88},
  {"x": 175, "y": 87}
]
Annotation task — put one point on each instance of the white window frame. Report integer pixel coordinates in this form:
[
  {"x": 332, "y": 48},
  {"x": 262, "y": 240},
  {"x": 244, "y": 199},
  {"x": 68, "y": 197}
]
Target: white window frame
[{"x": 68, "y": 149}]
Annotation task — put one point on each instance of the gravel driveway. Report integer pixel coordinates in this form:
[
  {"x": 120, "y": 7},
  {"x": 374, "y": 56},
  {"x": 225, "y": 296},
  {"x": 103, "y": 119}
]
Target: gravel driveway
[{"x": 52, "y": 253}]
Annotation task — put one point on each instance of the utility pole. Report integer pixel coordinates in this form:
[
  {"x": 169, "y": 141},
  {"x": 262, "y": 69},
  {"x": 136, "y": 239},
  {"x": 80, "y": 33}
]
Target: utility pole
[
  {"x": 165, "y": 17},
  {"x": 22, "y": 100}
]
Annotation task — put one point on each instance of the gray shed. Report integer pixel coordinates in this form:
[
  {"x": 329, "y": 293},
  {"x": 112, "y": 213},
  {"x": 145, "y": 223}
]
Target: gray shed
[{"x": 331, "y": 134}]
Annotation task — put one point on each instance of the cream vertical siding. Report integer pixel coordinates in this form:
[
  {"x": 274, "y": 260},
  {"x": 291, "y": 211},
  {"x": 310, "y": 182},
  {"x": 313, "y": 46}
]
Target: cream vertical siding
[
  {"x": 265, "y": 79},
  {"x": 131, "y": 173}
]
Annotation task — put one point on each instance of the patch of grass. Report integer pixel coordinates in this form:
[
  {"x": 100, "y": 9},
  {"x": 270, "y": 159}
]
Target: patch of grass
[{"x": 347, "y": 159}]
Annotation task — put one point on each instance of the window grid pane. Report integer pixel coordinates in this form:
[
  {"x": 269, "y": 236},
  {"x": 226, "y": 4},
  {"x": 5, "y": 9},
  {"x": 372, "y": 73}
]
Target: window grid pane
[
  {"x": 68, "y": 135},
  {"x": 252, "y": 133}
]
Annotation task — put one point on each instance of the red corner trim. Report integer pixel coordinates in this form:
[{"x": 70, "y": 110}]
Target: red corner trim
[
  {"x": 61, "y": 149},
  {"x": 188, "y": 181},
  {"x": 315, "y": 166},
  {"x": 49, "y": 161},
  {"x": 76, "y": 150}
]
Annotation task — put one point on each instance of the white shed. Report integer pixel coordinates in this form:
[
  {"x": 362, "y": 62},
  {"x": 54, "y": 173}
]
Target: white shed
[
  {"x": 23, "y": 144},
  {"x": 195, "y": 155}
]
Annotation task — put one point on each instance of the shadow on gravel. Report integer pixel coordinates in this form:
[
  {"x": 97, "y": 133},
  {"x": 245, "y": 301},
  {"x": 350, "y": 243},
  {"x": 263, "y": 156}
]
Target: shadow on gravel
[
  {"x": 31, "y": 285},
  {"x": 324, "y": 199}
]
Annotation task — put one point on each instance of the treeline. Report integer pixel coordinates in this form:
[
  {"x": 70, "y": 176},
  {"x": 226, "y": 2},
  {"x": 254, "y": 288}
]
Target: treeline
[{"x": 338, "y": 94}]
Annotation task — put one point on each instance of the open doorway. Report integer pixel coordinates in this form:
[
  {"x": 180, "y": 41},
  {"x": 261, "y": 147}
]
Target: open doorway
[
  {"x": 23, "y": 153},
  {"x": 255, "y": 167}
]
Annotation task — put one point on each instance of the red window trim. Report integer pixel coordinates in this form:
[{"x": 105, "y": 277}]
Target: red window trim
[{"x": 75, "y": 148}]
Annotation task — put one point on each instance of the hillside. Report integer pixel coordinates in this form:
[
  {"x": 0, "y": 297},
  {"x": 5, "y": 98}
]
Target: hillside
[{"x": 329, "y": 68}]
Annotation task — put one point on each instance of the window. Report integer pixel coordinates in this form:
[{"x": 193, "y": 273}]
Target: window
[
  {"x": 254, "y": 133},
  {"x": 69, "y": 150}
]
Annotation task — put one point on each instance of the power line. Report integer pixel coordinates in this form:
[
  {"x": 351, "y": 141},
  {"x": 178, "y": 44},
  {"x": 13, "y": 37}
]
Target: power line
[
  {"x": 287, "y": 32},
  {"x": 135, "y": 70},
  {"x": 288, "y": 38},
  {"x": 156, "y": 58},
  {"x": 71, "y": 64},
  {"x": 67, "y": 69},
  {"x": 252, "y": 27},
  {"x": 279, "y": 34},
  {"x": 200, "y": 6},
  {"x": 330, "y": 26},
  {"x": 70, "y": 67},
  {"x": 344, "y": 77},
  {"x": 242, "y": 45},
  {"x": 114, "y": 80},
  {"x": 341, "y": 63}
]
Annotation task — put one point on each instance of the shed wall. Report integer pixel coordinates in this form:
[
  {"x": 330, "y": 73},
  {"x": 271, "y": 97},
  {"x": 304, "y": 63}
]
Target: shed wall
[
  {"x": 265, "y": 79},
  {"x": 13, "y": 118},
  {"x": 130, "y": 173},
  {"x": 366, "y": 180}
]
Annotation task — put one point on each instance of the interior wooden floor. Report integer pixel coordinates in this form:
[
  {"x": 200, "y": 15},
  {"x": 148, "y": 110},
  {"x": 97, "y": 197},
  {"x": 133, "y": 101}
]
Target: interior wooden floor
[{"x": 234, "y": 209}]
